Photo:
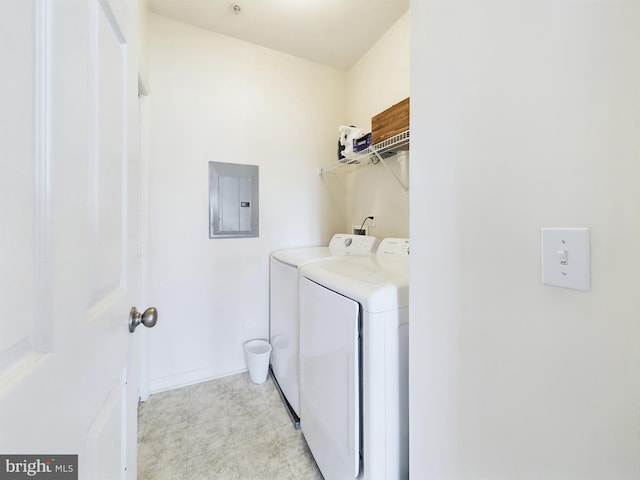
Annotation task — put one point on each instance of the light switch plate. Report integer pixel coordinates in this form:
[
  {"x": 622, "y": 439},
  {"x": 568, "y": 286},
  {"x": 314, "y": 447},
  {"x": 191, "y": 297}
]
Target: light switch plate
[{"x": 566, "y": 258}]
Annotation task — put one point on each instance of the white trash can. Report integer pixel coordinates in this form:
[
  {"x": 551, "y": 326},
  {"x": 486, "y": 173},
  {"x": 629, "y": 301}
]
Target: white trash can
[{"x": 258, "y": 353}]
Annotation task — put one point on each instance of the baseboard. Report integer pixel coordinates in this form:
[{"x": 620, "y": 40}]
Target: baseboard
[{"x": 184, "y": 379}]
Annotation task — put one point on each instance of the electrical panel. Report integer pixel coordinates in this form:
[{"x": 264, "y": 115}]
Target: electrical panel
[{"x": 233, "y": 200}]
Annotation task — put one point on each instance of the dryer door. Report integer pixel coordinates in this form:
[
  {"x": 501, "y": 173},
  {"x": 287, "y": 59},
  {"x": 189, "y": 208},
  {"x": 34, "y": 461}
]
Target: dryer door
[{"x": 329, "y": 379}]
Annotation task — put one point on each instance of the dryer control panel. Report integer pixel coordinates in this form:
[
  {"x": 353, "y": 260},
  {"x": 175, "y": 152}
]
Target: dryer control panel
[{"x": 393, "y": 247}]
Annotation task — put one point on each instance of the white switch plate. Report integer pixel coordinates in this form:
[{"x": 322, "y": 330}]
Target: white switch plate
[{"x": 566, "y": 258}]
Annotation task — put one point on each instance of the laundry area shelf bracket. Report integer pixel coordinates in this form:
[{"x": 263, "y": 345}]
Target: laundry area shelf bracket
[
  {"x": 374, "y": 154},
  {"x": 404, "y": 187}
]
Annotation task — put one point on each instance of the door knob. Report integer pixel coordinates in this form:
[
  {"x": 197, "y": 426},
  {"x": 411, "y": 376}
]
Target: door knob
[{"x": 148, "y": 318}]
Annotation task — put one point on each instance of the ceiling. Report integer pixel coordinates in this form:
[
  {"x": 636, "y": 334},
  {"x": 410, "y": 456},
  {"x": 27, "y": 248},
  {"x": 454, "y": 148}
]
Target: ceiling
[{"x": 331, "y": 32}]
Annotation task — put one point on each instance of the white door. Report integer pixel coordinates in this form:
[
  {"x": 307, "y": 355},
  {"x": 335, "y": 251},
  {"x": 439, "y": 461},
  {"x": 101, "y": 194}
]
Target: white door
[
  {"x": 68, "y": 235},
  {"x": 329, "y": 379}
]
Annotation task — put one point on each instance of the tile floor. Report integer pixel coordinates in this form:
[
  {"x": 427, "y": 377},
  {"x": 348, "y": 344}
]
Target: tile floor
[{"x": 228, "y": 429}]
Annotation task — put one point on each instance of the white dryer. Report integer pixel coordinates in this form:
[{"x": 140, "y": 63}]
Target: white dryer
[
  {"x": 354, "y": 330},
  {"x": 283, "y": 315}
]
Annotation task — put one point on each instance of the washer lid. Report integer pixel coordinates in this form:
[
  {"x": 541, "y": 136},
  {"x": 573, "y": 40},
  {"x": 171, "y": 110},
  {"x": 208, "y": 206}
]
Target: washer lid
[{"x": 301, "y": 256}]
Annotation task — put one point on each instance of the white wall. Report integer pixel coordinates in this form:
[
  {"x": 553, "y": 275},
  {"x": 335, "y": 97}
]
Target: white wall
[
  {"x": 524, "y": 115},
  {"x": 143, "y": 43},
  {"x": 381, "y": 77},
  {"x": 215, "y": 98},
  {"x": 377, "y": 81}
]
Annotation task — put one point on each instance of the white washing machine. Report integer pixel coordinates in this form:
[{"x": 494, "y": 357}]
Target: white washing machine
[
  {"x": 354, "y": 336},
  {"x": 283, "y": 330}
]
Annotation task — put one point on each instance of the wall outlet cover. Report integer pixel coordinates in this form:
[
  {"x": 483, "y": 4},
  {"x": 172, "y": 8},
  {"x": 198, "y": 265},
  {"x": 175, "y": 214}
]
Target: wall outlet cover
[{"x": 355, "y": 230}]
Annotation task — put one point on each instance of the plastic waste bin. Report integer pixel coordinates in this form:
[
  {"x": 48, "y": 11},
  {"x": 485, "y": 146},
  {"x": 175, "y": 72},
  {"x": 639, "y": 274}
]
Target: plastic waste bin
[{"x": 258, "y": 353}]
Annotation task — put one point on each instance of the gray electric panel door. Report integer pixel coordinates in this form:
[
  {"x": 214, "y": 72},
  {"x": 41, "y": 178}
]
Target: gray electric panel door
[{"x": 233, "y": 200}]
